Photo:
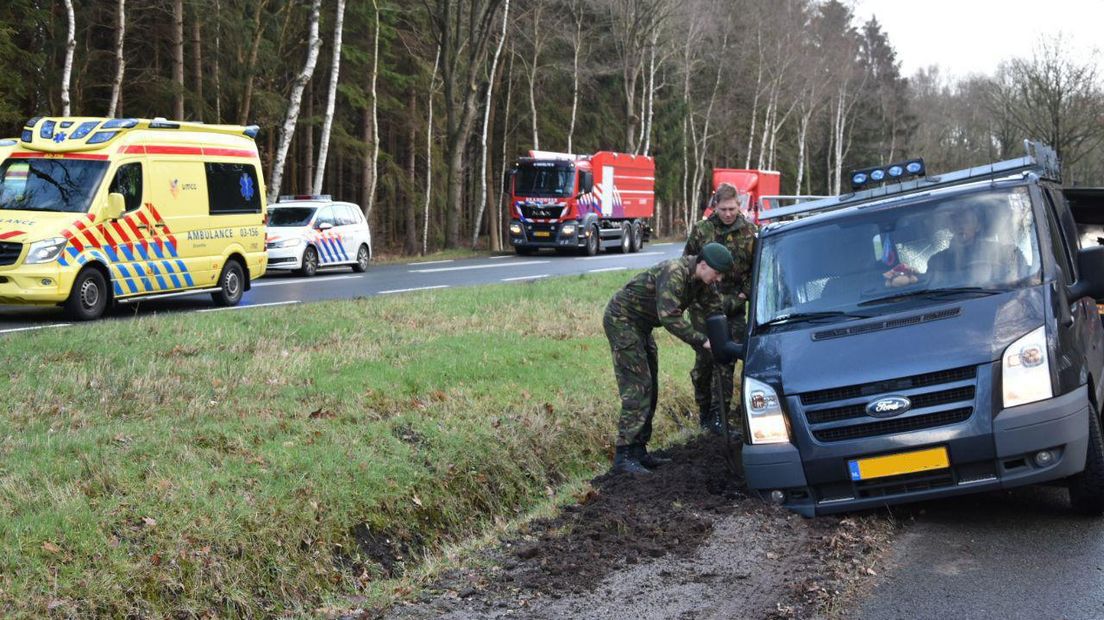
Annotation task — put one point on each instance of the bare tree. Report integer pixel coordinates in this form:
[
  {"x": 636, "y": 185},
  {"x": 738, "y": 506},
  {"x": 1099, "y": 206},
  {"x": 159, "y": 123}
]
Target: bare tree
[
  {"x": 331, "y": 100},
  {"x": 634, "y": 21},
  {"x": 197, "y": 62},
  {"x": 120, "y": 59},
  {"x": 251, "y": 67},
  {"x": 178, "y": 59},
  {"x": 483, "y": 139},
  {"x": 534, "y": 31},
  {"x": 371, "y": 171},
  {"x": 292, "y": 117},
  {"x": 577, "y": 43},
  {"x": 70, "y": 46},
  {"x": 429, "y": 153}
]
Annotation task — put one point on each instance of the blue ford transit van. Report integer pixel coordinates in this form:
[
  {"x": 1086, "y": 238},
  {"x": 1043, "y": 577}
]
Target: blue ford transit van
[{"x": 933, "y": 336}]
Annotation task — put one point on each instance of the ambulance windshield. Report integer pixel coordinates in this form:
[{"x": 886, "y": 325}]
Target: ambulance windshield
[
  {"x": 543, "y": 179},
  {"x": 58, "y": 185}
]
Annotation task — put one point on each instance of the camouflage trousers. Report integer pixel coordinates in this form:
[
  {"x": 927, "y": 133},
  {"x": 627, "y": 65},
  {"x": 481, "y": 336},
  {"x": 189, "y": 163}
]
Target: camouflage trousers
[
  {"x": 636, "y": 367},
  {"x": 701, "y": 375}
]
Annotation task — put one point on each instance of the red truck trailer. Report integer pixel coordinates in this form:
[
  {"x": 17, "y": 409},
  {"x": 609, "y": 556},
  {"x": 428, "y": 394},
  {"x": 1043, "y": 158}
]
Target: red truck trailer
[
  {"x": 755, "y": 184},
  {"x": 581, "y": 202}
]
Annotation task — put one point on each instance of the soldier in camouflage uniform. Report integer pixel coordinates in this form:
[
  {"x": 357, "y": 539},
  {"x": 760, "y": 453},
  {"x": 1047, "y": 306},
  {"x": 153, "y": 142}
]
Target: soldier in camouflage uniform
[
  {"x": 727, "y": 226},
  {"x": 656, "y": 297}
]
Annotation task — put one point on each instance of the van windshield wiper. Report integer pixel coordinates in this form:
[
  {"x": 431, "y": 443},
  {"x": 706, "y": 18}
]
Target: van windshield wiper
[
  {"x": 812, "y": 316},
  {"x": 937, "y": 293}
]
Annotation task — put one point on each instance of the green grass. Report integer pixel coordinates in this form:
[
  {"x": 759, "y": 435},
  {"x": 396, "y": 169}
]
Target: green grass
[{"x": 248, "y": 463}]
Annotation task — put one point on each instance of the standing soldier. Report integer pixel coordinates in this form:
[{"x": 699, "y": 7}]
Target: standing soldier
[
  {"x": 655, "y": 297},
  {"x": 728, "y": 227}
]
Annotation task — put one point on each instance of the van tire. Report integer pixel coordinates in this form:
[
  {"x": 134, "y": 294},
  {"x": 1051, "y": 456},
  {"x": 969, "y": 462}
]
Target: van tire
[
  {"x": 1086, "y": 489},
  {"x": 231, "y": 284},
  {"x": 309, "y": 267},
  {"x": 89, "y": 296},
  {"x": 364, "y": 256}
]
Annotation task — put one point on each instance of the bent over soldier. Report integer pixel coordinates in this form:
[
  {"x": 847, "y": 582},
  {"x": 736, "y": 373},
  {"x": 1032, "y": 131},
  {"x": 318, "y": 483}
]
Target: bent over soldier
[
  {"x": 656, "y": 297},
  {"x": 728, "y": 227}
]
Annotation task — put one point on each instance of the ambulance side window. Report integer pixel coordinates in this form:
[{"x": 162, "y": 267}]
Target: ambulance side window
[
  {"x": 232, "y": 188},
  {"x": 128, "y": 182}
]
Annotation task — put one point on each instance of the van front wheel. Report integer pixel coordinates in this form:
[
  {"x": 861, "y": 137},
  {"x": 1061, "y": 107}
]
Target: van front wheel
[
  {"x": 88, "y": 299},
  {"x": 1086, "y": 489},
  {"x": 231, "y": 285}
]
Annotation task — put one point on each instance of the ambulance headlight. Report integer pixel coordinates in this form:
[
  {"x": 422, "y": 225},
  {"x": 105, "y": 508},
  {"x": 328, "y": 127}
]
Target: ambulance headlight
[
  {"x": 46, "y": 250},
  {"x": 766, "y": 422},
  {"x": 293, "y": 242},
  {"x": 515, "y": 229},
  {"x": 1025, "y": 370},
  {"x": 567, "y": 230}
]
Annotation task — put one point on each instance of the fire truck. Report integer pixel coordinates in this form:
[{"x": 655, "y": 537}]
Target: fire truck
[
  {"x": 754, "y": 184},
  {"x": 581, "y": 203}
]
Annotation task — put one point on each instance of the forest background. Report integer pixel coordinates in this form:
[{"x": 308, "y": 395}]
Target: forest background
[{"x": 428, "y": 103}]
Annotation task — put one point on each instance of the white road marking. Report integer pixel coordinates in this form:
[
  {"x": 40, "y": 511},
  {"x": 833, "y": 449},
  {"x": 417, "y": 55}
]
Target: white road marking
[
  {"x": 36, "y": 327},
  {"x": 302, "y": 281},
  {"x": 658, "y": 245},
  {"x": 608, "y": 256},
  {"x": 275, "y": 303},
  {"x": 439, "y": 269},
  {"x": 536, "y": 277},
  {"x": 607, "y": 269},
  {"x": 407, "y": 290},
  {"x": 433, "y": 262},
  {"x": 498, "y": 257}
]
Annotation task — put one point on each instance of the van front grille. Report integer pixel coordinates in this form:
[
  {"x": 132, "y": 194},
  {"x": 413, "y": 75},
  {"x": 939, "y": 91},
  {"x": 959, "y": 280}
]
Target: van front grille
[
  {"x": 894, "y": 425},
  {"x": 890, "y": 386},
  {"x": 9, "y": 252}
]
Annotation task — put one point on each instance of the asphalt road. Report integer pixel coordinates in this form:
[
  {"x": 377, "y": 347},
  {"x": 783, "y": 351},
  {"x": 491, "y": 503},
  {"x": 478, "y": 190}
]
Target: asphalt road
[
  {"x": 279, "y": 288},
  {"x": 1017, "y": 554}
]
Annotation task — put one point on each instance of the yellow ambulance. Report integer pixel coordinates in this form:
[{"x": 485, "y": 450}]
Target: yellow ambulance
[{"x": 98, "y": 211}]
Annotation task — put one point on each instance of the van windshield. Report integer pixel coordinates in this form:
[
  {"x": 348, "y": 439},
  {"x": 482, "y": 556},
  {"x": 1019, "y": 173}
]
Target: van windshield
[
  {"x": 290, "y": 216},
  {"x": 923, "y": 253},
  {"x": 58, "y": 185},
  {"x": 543, "y": 179}
]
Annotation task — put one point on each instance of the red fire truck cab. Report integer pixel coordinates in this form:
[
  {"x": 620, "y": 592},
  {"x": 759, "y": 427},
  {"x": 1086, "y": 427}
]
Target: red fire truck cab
[
  {"x": 581, "y": 203},
  {"x": 755, "y": 184}
]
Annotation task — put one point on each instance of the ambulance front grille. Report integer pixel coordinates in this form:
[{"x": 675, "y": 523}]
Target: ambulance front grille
[{"x": 9, "y": 252}]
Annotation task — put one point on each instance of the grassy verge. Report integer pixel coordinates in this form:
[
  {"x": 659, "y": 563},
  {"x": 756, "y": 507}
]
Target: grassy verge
[{"x": 261, "y": 462}]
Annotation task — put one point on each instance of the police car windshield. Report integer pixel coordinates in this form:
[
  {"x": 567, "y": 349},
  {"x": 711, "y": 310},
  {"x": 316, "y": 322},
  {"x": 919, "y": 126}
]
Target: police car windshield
[
  {"x": 543, "y": 180},
  {"x": 874, "y": 261},
  {"x": 290, "y": 216},
  {"x": 58, "y": 185}
]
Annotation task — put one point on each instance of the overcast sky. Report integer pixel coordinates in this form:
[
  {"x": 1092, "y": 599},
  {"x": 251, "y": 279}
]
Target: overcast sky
[{"x": 974, "y": 36}]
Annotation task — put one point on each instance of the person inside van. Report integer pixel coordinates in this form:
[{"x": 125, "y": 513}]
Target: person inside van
[{"x": 971, "y": 259}]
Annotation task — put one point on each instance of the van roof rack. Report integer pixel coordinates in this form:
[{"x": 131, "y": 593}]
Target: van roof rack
[{"x": 1039, "y": 158}]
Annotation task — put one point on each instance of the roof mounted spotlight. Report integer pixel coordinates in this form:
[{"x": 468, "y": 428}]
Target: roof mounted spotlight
[{"x": 861, "y": 179}]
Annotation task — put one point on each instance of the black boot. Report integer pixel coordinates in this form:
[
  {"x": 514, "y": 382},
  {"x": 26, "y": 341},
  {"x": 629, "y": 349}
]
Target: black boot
[
  {"x": 627, "y": 461},
  {"x": 651, "y": 461}
]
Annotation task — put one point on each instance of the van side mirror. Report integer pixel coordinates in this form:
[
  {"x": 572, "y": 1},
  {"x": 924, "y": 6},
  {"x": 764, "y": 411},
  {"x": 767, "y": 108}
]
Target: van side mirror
[
  {"x": 116, "y": 206},
  {"x": 1090, "y": 266},
  {"x": 324, "y": 226},
  {"x": 586, "y": 182},
  {"x": 725, "y": 351}
]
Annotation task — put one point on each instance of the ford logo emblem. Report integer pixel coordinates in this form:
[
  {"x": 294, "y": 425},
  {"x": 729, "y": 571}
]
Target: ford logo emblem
[{"x": 888, "y": 406}]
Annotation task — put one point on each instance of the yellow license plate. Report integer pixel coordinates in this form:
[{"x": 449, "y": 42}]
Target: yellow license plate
[
  {"x": 897, "y": 464},
  {"x": 542, "y": 233}
]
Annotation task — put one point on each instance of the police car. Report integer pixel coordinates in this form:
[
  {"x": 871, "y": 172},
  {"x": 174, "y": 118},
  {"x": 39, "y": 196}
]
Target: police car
[{"x": 306, "y": 233}]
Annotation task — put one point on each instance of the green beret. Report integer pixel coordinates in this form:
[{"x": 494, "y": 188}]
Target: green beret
[{"x": 717, "y": 256}]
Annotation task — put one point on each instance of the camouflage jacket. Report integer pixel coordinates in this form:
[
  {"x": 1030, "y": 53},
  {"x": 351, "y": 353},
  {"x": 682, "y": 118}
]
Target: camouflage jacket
[
  {"x": 659, "y": 295},
  {"x": 739, "y": 238}
]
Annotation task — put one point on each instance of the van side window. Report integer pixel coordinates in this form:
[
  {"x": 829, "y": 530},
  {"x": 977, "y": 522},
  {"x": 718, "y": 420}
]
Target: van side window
[
  {"x": 349, "y": 215},
  {"x": 325, "y": 216},
  {"x": 1058, "y": 242},
  {"x": 232, "y": 188},
  {"x": 128, "y": 182}
]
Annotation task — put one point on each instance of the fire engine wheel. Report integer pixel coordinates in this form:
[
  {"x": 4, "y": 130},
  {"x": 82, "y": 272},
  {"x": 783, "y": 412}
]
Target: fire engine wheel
[
  {"x": 363, "y": 258},
  {"x": 310, "y": 262},
  {"x": 1086, "y": 489},
  {"x": 637, "y": 237},
  {"x": 592, "y": 241},
  {"x": 231, "y": 284},
  {"x": 88, "y": 299},
  {"x": 626, "y": 239}
]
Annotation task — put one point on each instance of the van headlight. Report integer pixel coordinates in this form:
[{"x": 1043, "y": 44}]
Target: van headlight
[
  {"x": 1025, "y": 370},
  {"x": 766, "y": 422},
  {"x": 46, "y": 250}
]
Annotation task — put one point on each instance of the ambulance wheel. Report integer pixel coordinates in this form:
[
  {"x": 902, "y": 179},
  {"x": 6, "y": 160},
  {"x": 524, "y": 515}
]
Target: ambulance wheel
[
  {"x": 1086, "y": 489},
  {"x": 310, "y": 262},
  {"x": 626, "y": 239},
  {"x": 592, "y": 242},
  {"x": 232, "y": 285},
  {"x": 363, "y": 258},
  {"x": 88, "y": 299},
  {"x": 637, "y": 237}
]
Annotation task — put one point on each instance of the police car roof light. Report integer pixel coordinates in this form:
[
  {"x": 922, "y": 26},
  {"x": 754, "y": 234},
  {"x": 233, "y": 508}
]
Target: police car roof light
[{"x": 292, "y": 197}]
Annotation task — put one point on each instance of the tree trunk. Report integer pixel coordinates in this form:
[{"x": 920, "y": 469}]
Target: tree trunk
[
  {"x": 429, "y": 154},
  {"x": 247, "y": 95},
  {"x": 651, "y": 95},
  {"x": 197, "y": 59},
  {"x": 498, "y": 205},
  {"x": 288, "y": 128},
  {"x": 331, "y": 101},
  {"x": 218, "y": 60},
  {"x": 486, "y": 127},
  {"x": 120, "y": 59},
  {"x": 577, "y": 44},
  {"x": 307, "y": 138},
  {"x": 755, "y": 100},
  {"x": 70, "y": 47},
  {"x": 178, "y": 59},
  {"x": 372, "y": 171},
  {"x": 410, "y": 212}
]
